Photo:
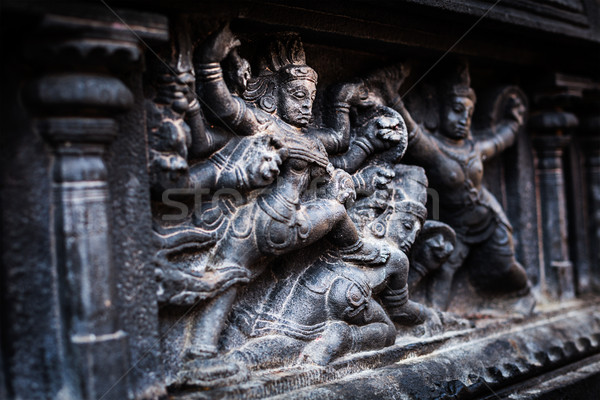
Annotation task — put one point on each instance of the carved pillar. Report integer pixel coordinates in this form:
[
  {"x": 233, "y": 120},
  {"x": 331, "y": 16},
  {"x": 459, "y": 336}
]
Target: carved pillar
[
  {"x": 75, "y": 100},
  {"x": 557, "y": 274},
  {"x": 591, "y": 151},
  {"x": 593, "y": 182}
]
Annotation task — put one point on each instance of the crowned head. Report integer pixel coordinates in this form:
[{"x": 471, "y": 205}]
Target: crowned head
[
  {"x": 459, "y": 103},
  {"x": 285, "y": 85}
]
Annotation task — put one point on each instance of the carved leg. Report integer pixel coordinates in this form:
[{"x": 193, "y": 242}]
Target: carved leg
[
  {"x": 208, "y": 323},
  {"x": 201, "y": 367},
  {"x": 374, "y": 330},
  {"x": 494, "y": 269},
  {"x": 441, "y": 285},
  {"x": 357, "y": 322},
  {"x": 335, "y": 341},
  {"x": 404, "y": 311},
  {"x": 268, "y": 351},
  {"x": 340, "y": 338},
  {"x": 329, "y": 217},
  {"x": 493, "y": 266},
  {"x": 393, "y": 290}
]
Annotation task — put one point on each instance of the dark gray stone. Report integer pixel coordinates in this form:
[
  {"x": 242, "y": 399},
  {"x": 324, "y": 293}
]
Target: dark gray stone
[{"x": 197, "y": 203}]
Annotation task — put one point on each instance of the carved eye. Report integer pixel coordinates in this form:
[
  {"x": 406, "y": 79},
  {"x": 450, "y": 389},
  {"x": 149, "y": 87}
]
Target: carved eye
[
  {"x": 268, "y": 158},
  {"x": 458, "y": 108},
  {"x": 408, "y": 225},
  {"x": 300, "y": 95}
]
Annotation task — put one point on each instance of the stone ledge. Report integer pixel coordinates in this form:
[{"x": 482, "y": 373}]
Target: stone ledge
[{"x": 462, "y": 364}]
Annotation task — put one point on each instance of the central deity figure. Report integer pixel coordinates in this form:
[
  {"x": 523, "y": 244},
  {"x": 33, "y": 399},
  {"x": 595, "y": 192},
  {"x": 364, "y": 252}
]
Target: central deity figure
[{"x": 287, "y": 216}]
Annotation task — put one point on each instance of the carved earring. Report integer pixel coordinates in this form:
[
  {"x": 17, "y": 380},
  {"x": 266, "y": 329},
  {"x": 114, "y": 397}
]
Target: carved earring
[
  {"x": 267, "y": 103},
  {"x": 378, "y": 228}
]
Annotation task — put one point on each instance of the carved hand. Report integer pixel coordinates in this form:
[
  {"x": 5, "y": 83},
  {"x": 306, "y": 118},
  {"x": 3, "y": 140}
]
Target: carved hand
[
  {"x": 178, "y": 91},
  {"x": 352, "y": 93},
  {"x": 218, "y": 45},
  {"x": 386, "y": 82},
  {"x": 174, "y": 95},
  {"x": 383, "y": 132},
  {"x": 515, "y": 109},
  {"x": 372, "y": 178},
  {"x": 189, "y": 90}
]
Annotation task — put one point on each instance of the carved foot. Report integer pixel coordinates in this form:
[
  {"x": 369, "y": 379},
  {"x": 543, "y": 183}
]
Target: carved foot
[
  {"x": 452, "y": 322},
  {"x": 408, "y": 315},
  {"x": 524, "y": 305},
  {"x": 211, "y": 373},
  {"x": 335, "y": 341},
  {"x": 366, "y": 253}
]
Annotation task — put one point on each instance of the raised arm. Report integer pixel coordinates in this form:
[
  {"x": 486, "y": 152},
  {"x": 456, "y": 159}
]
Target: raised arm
[
  {"x": 336, "y": 137},
  {"x": 229, "y": 110},
  {"x": 205, "y": 141},
  {"x": 378, "y": 134},
  {"x": 422, "y": 148},
  {"x": 504, "y": 133}
]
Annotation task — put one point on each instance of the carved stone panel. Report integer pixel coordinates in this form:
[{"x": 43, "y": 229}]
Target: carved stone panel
[{"x": 248, "y": 201}]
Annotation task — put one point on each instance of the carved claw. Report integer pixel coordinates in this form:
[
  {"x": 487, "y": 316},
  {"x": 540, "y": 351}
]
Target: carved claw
[
  {"x": 385, "y": 132},
  {"x": 341, "y": 187},
  {"x": 391, "y": 128}
]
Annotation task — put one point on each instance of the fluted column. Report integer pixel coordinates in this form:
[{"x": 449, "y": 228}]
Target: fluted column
[
  {"x": 591, "y": 147},
  {"x": 76, "y": 99},
  {"x": 557, "y": 274}
]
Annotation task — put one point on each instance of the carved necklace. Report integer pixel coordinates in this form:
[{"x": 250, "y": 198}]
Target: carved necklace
[{"x": 464, "y": 157}]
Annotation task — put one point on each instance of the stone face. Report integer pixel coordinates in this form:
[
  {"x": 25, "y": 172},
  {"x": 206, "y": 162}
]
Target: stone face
[{"x": 312, "y": 202}]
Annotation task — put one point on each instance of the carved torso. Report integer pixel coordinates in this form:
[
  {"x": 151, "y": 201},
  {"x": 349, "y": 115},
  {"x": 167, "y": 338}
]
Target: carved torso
[{"x": 457, "y": 177}]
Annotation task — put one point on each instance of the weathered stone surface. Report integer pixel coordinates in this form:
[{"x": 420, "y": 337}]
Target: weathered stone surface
[{"x": 248, "y": 200}]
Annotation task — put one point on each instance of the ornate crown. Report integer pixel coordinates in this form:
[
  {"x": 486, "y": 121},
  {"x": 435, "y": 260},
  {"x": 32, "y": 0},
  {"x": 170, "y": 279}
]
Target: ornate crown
[{"x": 459, "y": 81}]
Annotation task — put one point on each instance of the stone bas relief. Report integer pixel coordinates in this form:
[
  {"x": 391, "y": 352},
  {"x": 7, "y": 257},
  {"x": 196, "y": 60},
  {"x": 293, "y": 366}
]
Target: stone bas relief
[
  {"x": 304, "y": 205},
  {"x": 287, "y": 237}
]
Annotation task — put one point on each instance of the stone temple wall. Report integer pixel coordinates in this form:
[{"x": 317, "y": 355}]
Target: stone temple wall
[{"x": 300, "y": 199}]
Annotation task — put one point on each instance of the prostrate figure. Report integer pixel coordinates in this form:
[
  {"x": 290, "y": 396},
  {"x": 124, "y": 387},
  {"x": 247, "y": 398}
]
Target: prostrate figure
[
  {"x": 453, "y": 160},
  {"x": 345, "y": 301}
]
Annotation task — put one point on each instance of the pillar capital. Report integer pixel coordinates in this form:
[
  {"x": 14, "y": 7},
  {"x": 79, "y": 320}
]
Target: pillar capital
[{"x": 76, "y": 99}]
